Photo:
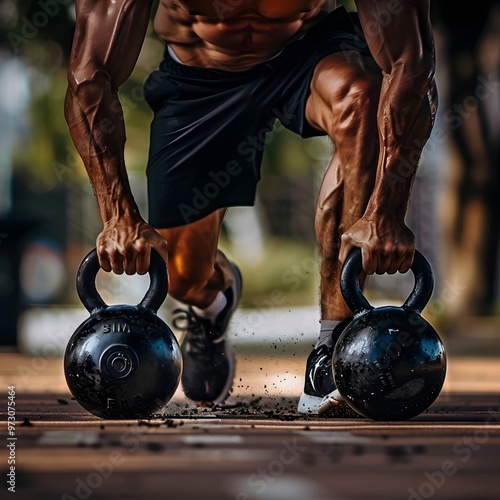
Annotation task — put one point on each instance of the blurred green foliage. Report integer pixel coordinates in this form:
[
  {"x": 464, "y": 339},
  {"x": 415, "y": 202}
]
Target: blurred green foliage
[{"x": 40, "y": 33}]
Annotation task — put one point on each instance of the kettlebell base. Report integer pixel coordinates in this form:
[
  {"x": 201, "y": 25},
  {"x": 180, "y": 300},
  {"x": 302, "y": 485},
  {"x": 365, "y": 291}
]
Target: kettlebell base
[
  {"x": 118, "y": 372},
  {"x": 389, "y": 364}
]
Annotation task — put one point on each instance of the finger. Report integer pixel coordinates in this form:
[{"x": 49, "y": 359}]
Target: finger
[
  {"x": 103, "y": 259},
  {"x": 105, "y": 264},
  {"x": 369, "y": 261},
  {"x": 129, "y": 263},
  {"x": 384, "y": 263},
  {"x": 391, "y": 260},
  {"x": 346, "y": 247},
  {"x": 116, "y": 261},
  {"x": 405, "y": 266},
  {"x": 143, "y": 261},
  {"x": 394, "y": 265},
  {"x": 129, "y": 256}
]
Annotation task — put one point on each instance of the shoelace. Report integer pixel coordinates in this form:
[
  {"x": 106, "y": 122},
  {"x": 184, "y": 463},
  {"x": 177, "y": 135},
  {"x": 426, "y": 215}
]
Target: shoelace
[{"x": 185, "y": 321}]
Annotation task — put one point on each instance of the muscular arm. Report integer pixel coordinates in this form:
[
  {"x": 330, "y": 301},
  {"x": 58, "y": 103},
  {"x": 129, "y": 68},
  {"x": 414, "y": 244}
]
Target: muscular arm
[
  {"x": 108, "y": 38},
  {"x": 399, "y": 35}
]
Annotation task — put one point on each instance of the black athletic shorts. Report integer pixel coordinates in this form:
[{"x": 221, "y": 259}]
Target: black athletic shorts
[{"x": 209, "y": 127}]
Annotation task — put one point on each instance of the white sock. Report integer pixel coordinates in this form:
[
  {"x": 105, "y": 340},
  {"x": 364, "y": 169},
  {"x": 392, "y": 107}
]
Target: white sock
[
  {"x": 211, "y": 312},
  {"x": 325, "y": 334}
]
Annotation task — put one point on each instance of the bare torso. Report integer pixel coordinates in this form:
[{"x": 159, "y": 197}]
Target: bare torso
[{"x": 234, "y": 35}]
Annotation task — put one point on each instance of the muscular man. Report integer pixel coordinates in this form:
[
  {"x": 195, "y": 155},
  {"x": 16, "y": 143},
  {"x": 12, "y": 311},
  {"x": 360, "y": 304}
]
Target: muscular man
[{"x": 231, "y": 68}]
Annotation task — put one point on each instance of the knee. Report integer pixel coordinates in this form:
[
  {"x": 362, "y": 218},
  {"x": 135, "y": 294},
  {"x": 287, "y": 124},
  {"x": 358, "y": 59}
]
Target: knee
[
  {"x": 353, "y": 104},
  {"x": 349, "y": 99},
  {"x": 188, "y": 277}
]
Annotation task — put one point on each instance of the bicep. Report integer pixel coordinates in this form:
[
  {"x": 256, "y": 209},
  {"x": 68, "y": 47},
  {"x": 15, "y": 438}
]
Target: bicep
[
  {"x": 397, "y": 31},
  {"x": 108, "y": 38}
]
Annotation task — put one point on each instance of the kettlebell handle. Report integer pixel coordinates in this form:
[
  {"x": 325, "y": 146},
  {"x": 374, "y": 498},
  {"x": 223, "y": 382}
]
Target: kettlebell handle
[
  {"x": 357, "y": 302},
  {"x": 87, "y": 291}
]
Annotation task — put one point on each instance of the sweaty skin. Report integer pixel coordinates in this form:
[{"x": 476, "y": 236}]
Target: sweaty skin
[
  {"x": 233, "y": 37},
  {"x": 366, "y": 189}
]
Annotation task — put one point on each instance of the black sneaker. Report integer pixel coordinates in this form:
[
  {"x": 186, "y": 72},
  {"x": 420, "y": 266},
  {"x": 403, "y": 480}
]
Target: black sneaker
[
  {"x": 208, "y": 359},
  {"x": 320, "y": 393}
]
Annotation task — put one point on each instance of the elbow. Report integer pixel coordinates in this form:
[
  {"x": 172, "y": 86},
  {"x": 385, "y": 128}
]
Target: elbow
[
  {"x": 81, "y": 77},
  {"x": 86, "y": 87},
  {"x": 418, "y": 70}
]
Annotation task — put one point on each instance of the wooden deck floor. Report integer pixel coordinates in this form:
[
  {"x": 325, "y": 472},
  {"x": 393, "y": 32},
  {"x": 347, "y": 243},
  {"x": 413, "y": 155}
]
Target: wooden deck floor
[{"x": 256, "y": 447}]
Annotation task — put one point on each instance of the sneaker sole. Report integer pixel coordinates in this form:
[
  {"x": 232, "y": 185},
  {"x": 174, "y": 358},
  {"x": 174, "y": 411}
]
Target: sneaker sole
[
  {"x": 309, "y": 404},
  {"x": 327, "y": 405}
]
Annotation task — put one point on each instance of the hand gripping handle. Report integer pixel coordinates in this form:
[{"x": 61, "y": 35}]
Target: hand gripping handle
[
  {"x": 357, "y": 302},
  {"x": 87, "y": 291}
]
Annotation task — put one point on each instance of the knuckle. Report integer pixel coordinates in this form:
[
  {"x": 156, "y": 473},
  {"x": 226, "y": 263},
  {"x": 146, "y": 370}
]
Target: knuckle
[
  {"x": 346, "y": 237},
  {"x": 141, "y": 246}
]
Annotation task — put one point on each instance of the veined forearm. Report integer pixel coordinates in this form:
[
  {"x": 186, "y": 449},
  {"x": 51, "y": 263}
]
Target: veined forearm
[
  {"x": 95, "y": 121},
  {"x": 405, "y": 117}
]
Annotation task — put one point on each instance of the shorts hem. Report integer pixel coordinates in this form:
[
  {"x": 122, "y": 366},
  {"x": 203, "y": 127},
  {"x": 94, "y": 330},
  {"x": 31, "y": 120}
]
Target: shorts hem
[{"x": 159, "y": 223}]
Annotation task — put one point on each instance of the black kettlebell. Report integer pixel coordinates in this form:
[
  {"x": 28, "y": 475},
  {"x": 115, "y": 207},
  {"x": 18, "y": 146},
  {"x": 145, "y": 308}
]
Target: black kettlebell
[
  {"x": 123, "y": 361},
  {"x": 389, "y": 363}
]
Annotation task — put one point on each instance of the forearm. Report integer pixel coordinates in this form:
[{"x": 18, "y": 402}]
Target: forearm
[
  {"x": 405, "y": 118},
  {"x": 108, "y": 38},
  {"x": 403, "y": 47},
  {"x": 95, "y": 121}
]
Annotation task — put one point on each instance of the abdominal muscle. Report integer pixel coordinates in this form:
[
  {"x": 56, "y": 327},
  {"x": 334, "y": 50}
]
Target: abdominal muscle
[{"x": 234, "y": 35}]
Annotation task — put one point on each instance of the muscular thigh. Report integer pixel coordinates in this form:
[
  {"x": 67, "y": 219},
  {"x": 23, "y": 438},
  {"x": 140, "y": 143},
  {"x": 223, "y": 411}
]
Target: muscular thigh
[
  {"x": 192, "y": 248},
  {"x": 343, "y": 103},
  {"x": 343, "y": 84}
]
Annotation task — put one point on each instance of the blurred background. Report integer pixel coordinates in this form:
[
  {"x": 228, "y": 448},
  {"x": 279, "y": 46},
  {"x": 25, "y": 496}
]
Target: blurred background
[{"x": 49, "y": 218}]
